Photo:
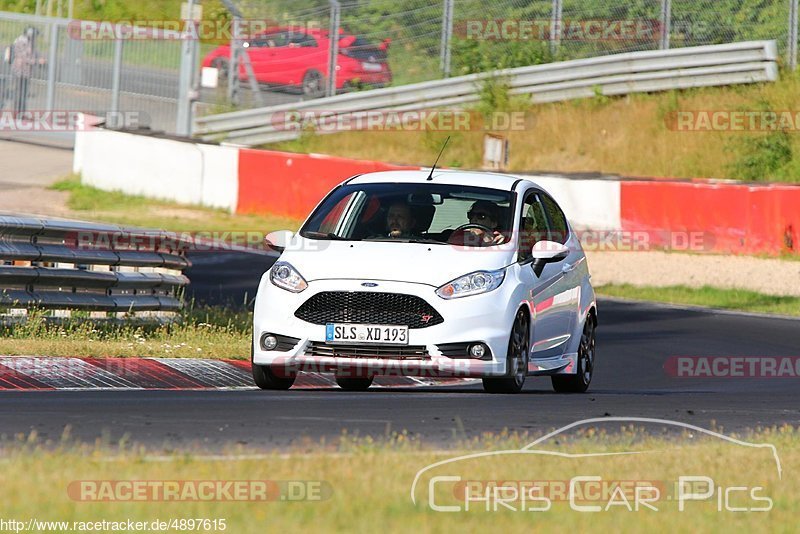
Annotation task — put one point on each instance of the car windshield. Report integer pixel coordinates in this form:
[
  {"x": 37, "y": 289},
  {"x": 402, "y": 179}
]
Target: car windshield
[{"x": 413, "y": 213}]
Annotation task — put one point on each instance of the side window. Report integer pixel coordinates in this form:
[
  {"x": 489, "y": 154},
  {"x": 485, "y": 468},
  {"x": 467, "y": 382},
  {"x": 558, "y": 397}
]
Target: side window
[
  {"x": 532, "y": 226},
  {"x": 345, "y": 211},
  {"x": 301, "y": 40},
  {"x": 276, "y": 40},
  {"x": 559, "y": 231}
]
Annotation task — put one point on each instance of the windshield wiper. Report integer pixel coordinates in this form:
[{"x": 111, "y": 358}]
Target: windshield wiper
[
  {"x": 323, "y": 235},
  {"x": 405, "y": 240},
  {"x": 426, "y": 241}
]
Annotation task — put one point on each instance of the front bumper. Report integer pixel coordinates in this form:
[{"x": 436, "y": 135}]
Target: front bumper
[{"x": 483, "y": 318}]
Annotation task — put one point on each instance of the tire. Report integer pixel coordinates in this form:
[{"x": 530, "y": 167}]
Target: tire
[
  {"x": 354, "y": 384},
  {"x": 517, "y": 359},
  {"x": 313, "y": 84},
  {"x": 222, "y": 65},
  {"x": 579, "y": 382},
  {"x": 266, "y": 378}
]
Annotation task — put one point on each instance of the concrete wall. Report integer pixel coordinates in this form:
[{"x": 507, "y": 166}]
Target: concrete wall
[{"x": 738, "y": 218}]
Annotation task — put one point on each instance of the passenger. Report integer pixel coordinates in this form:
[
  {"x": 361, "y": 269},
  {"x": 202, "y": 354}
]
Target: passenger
[{"x": 399, "y": 220}]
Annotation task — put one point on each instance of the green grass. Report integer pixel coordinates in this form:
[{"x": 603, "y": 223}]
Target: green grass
[
  {"x": 368, "y": 483},
  {"x": 710, "y": 297},
  {"x": 119, "y": 208},
  {"x": 631, "y": 135},
  {"x": 200, "y": 332}
]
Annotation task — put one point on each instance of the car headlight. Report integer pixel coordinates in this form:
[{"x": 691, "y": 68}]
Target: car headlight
[
  {"x": 286, "y": 277},
  {"x": 472, "y": 284}
]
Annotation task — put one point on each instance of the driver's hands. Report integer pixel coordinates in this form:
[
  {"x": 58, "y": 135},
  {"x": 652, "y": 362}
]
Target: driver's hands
[{"x": 496, "y": 238}]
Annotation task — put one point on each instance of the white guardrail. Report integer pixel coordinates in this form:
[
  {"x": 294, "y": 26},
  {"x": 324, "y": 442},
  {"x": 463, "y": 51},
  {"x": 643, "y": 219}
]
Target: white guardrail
[{"x": 619, "y": 74}]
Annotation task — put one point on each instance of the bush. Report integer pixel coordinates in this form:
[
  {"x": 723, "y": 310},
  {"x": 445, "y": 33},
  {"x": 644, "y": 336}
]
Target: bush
[{"x": 759, "y": 158}]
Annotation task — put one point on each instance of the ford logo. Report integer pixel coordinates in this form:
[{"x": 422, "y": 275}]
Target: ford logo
[{"x": 369, "y": 284}]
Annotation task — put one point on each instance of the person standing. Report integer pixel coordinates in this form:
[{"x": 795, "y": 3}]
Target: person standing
[{"x": 22, "y": 67}]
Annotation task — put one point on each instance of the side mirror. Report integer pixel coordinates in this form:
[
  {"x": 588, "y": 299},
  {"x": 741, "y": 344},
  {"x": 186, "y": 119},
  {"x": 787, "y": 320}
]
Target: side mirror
[
  {"x": 544, "y": 252},
  {"x": 278, "y": 240}
]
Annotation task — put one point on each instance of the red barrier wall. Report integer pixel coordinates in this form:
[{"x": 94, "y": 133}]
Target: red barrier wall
[
  {"x": 734, "y": 218},
  {"x": 284, "y": 183}
]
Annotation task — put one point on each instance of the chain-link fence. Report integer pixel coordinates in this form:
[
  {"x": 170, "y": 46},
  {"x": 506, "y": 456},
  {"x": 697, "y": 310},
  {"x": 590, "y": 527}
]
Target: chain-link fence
[
  {"x": 381, "y": 42},
  {"x": 430, "y": 40},
  {"x": 96, "y": 76}
]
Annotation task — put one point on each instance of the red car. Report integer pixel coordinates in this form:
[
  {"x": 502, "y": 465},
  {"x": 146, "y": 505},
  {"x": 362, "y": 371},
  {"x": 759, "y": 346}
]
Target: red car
[{"x": 298, "y": 58}]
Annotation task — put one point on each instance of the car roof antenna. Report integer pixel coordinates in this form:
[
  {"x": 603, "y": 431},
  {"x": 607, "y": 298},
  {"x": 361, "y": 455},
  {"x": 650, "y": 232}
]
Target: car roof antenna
[{"x": 430, "y": 176}]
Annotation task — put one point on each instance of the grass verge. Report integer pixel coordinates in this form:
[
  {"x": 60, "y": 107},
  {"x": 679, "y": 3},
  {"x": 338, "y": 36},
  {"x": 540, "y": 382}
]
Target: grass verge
[
  {"x": 202, "y": 332},
  {"x": 634, "y": 135},
  {"x": 356, "y": 484},
  {"x": 710, "y": 297},
  {"x": 120, "y": 208}
]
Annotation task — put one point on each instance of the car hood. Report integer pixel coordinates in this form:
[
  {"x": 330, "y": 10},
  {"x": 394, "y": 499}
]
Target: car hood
[{"x": 433, "y": 265}]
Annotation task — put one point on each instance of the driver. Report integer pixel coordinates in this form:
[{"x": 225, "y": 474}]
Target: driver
[{"x": 486, "y": 214}]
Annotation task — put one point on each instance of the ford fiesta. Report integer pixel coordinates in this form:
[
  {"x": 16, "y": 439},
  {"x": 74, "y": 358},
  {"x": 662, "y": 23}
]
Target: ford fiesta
[{"x": 429, "y": 274}]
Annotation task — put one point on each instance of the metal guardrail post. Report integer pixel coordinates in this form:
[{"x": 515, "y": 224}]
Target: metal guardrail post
[
  {"x": 556, "y": 25},
  {"x": 666, "y": 24},
  {"x": 333, "y": 53},
  {"x": 792, "y": 44},
  {"x": 51, "y": 67},
  {"x": 116, "y": 79},
  {"x": 447, "y": 37}
]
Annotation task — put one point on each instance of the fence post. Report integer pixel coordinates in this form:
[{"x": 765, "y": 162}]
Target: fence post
[
  {"x": 447, "y": 37},
  {"x": 556, "y": 26},
  {"x": 183, "y": 125},
  {"x": 666, "y": 23},
  {"x": 333, "y": 53},
  {"x": 792, "y": 44},
  {"x": 52, "y": 57},
  {"x": 233, "y": 63},
  {"x": 116, "y": 78}
]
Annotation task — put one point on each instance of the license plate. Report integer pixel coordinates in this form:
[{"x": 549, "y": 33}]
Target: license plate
[
  {"x": 366, "y": 333},
  {"x": 372, "y": 67}
]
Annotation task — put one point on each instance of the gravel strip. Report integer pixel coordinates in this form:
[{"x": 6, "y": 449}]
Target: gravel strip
[{"x": 660, "y": 269}]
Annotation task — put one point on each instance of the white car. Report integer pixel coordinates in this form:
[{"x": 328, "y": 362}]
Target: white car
[{"x": 445, "y": 273}]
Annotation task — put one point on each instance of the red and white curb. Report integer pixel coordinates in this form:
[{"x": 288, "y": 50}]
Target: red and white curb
[{"x": 57, "y": 373}]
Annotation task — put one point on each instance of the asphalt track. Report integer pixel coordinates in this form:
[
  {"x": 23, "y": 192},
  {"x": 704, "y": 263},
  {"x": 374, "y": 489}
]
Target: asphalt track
[{"x": 634, "y": 342}]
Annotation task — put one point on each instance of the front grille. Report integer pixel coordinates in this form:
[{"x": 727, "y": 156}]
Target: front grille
[
  {"x": 368, "y": 308},
  {"x": 386, "y": 352}
]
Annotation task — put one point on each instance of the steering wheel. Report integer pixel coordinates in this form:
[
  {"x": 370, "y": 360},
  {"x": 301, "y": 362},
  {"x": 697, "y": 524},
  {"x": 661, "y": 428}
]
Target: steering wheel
[
  {"x": 459, "y": 235},
  {"x": 473, "y": 225}
]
